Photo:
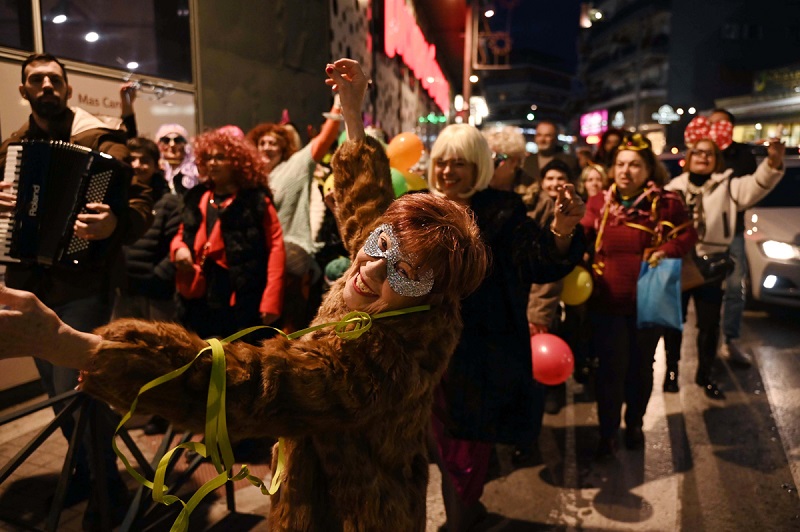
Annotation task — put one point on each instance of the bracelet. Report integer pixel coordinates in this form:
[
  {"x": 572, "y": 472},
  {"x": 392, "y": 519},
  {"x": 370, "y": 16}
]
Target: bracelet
[{"x": 559, "y": 235}]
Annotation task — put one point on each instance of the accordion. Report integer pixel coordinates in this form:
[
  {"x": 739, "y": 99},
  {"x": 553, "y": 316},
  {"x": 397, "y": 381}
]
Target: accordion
[{"x": 53, "y": 181}]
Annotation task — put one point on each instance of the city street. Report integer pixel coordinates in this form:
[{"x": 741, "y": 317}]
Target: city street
[
  {"x": 708, "y": 465},
  {"x": 728, "y": 465}
]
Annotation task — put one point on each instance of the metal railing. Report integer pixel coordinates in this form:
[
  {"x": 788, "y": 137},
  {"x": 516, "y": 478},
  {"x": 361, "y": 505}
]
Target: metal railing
[{"x": 142, "y": 512}]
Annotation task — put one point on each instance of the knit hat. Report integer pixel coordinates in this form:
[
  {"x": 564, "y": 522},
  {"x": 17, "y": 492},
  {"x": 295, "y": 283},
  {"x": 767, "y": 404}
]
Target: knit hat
[{"x": 173, "y": 129}]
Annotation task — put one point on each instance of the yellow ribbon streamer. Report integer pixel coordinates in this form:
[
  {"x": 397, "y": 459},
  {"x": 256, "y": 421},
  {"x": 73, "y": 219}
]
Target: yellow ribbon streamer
[{"x": 217, "y": 443}]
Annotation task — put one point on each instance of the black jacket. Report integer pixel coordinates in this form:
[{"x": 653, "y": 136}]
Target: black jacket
[
  {"x": 489, "y": 383},
  {"x": 150, "y": 272}
]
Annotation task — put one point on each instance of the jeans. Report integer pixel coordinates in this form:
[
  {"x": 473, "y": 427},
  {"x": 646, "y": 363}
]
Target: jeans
[{"x": 734, "y": 291}]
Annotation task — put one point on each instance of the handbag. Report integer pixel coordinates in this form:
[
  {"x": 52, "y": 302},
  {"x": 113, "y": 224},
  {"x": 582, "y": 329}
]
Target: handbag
[
  {"x": 691, "y": 277},
  {"x": 714, "y": 267},
  {"x": 192, "y": 284},
  {"x": 658, "y": 295}
]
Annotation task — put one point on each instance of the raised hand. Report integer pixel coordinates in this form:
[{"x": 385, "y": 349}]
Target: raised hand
[
  {"x": 347, "y": 78},
  {"x": 569, "y": 210},
  {"x": 776, "y": 151}
]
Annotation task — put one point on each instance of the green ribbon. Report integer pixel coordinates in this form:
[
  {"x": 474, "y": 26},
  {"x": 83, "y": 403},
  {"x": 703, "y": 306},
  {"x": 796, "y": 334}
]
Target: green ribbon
[{"x": 217, "y": 444}]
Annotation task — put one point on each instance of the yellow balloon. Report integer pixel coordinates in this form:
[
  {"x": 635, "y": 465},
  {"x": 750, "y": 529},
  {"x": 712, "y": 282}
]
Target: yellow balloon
[
  {"x": 327, "y": 187},
  {"x": 404, "y": 151},
  {"x": 415, "y": 182},
  {"x": 577, "y": 286}
]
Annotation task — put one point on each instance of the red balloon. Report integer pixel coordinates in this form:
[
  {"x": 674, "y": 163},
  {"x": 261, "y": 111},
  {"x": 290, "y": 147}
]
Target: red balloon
[{"x": 552, "y": 359}]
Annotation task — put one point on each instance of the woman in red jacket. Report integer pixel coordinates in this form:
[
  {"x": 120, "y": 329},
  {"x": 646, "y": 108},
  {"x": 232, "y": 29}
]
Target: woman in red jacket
[
  {"x": 230, "y": 230},
  {"x": 629, "y": 222}
]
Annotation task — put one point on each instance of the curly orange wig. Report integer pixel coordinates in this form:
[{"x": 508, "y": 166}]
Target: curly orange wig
[
  {"x": 276, "y": 130},
  {"x": 247, "y": 165}
]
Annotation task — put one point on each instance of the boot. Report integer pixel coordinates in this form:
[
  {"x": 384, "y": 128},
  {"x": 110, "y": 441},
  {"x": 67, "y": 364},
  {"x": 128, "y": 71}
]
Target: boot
[
  {"x": 671, "y": 380},
  {"x": 706, "y": 353},
  {"x": 673, "y": 338}
]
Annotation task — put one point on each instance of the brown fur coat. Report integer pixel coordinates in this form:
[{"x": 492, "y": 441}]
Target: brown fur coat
[{"x": 355, "y": 414}]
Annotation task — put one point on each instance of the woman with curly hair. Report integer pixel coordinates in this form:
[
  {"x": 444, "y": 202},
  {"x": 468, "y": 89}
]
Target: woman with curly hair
[
  {"x": 290, "y": 176},
  {"x": 231, "y": 239}
]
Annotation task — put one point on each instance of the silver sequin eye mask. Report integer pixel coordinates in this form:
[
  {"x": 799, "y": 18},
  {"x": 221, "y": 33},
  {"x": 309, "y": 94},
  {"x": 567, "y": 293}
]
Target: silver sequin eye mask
[{"x": 402, "y": 285}]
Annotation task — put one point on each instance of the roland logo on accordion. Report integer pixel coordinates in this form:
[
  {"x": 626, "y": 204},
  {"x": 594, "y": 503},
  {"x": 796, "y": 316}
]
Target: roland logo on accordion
[
  {"x": 34, "y": 201},
  {"x": 54, "y": 181}
]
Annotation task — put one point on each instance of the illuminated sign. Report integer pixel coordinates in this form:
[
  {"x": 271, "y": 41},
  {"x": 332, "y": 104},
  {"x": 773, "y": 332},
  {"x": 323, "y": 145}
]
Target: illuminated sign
[
  {"x": 402, "y": 36},
  {"x": 619, "y": 120},
  {"x": 666, "y": 115},
  {"x": 594, "y": 123}
]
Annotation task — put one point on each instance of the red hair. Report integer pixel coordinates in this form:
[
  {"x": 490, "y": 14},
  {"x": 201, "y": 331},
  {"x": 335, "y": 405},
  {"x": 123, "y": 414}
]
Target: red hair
[
  {"x": 277, "y": 131},
  {"x": 247, "y": 165}
]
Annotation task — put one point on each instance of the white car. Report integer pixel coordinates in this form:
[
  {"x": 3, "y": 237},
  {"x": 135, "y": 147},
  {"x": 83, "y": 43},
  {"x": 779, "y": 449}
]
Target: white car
[{"x": 772, "y": 241}]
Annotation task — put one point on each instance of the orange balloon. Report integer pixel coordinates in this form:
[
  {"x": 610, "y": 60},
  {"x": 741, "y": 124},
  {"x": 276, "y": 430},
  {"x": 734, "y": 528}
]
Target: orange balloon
[{"x": 404, "y": 151}]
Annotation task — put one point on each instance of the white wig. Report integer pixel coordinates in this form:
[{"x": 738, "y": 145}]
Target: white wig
[{"x": 466, "y": 142}]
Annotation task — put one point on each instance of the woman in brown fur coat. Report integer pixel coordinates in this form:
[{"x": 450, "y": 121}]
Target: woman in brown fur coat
[{"x": 354, "y": 414}]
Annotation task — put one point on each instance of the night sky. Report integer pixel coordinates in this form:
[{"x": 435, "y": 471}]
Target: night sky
[{"x": 544, "y": 32}]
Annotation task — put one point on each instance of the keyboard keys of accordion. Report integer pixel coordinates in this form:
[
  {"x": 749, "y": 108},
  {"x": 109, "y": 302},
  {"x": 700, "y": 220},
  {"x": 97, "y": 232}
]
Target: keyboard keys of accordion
[{"x": 10, "y": 175}]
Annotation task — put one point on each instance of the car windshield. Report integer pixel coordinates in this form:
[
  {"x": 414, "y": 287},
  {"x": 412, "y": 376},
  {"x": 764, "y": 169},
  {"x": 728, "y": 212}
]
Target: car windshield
[{"x": 786, "y": 193}]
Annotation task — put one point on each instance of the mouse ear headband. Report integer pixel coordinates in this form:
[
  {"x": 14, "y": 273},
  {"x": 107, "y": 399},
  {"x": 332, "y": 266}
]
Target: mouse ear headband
[{"x": 700, "y": 128}]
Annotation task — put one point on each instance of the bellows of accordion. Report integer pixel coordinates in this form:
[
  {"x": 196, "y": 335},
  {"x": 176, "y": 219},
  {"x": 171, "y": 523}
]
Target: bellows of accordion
[{"x": 53, "y": 181}]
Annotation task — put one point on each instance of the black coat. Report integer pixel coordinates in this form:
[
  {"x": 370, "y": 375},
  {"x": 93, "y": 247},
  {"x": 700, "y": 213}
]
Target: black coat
[
  {"x": 489, "y": 386},
  {"x": 149, "y": 270}
]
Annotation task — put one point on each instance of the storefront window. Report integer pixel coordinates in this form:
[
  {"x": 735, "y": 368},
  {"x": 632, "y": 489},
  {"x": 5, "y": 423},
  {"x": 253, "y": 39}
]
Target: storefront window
[
  {"x": 145, "y": 37},
  {"x": 16, "y": 24}
]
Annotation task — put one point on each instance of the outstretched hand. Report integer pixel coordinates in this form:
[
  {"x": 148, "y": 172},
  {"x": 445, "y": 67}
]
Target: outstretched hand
[
  {"x": 347, "y": 78},
  {"x": 29, "y": 328},
  {"x": 569, "y": 209}
]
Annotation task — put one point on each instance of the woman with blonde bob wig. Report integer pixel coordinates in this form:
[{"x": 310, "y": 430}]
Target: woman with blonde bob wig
[{"x": 487, "y": 393}]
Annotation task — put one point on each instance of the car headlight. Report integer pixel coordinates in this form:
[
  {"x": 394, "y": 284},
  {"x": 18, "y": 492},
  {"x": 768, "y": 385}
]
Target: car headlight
[{"x": 780, "y": 250}]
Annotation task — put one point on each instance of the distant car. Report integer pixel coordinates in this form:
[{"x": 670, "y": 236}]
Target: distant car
[{"x": 772, "y": 241}]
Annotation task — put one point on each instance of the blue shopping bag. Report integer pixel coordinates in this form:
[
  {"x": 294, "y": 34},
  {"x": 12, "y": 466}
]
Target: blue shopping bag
[{"x": 658, "y": 295}]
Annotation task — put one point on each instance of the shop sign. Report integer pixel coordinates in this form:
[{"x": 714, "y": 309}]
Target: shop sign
[
  {"x": 403, "y": 37},
  {"x": 594, "y": 123},
  {"x": 666, "y": 115}
]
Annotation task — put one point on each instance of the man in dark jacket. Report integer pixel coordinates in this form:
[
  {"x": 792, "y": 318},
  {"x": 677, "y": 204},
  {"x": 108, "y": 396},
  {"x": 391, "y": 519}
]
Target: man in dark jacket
[
  {"x": 79, "y": 295},
  {"x": 740, "y": 159},
  {"x": 548, "y": 149}
]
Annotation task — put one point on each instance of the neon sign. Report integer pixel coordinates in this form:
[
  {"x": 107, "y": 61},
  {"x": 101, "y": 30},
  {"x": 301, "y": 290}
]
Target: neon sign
[
  {"x": 594, "y": 123},
  {"x": 402, "y": 36}
]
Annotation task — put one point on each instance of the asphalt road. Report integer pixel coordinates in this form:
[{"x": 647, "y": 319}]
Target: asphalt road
[{"x": 708, "y": 465}]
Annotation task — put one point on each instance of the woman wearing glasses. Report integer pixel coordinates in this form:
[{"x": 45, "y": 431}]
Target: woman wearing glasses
[
  {"x": 627, "y": 224},
  {"x": 713, "y": 199},
  {"x": 178, "y": 164},
  {"x": 486, "y": 395},
  {"x": 229, "y": 237}
]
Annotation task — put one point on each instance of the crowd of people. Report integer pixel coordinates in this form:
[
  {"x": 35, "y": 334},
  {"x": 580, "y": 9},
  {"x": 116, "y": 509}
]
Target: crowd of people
[{"x": 225, "y": 232}]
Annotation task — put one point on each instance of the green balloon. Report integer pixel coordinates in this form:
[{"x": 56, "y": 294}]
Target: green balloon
[
  {"x": 342, "y": 137},
  {"x": 398, "y": 183}
]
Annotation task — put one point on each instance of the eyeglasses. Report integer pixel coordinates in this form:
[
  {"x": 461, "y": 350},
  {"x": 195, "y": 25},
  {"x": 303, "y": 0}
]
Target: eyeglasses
[
  {"x": 499, "y": 158},
  {"x": 708, "y": 153},
  {"x": 218, "y": 158},
  {"x": 454, "y": 164},
  {"x": 178, "y": 139}
]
